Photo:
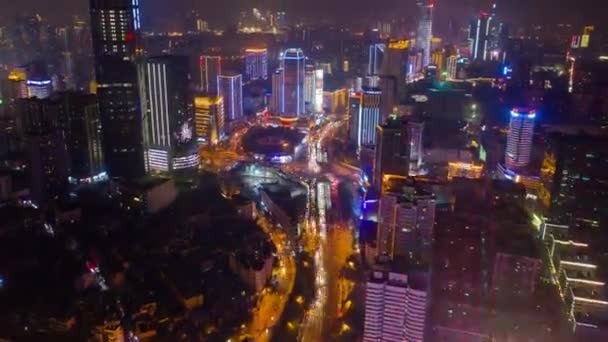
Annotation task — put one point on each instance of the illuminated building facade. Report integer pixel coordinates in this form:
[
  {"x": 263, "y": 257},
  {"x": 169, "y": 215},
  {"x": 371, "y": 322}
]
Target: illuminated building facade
[
  {"x": 574, "y": 181},
  {"x": 230, "y": 88},
  {"x": 17, "y": 79},
  {"x": 115, "y": 26},
  {"x": 293, "y": 83},
  {"x": 425, "y": 30},
  {"x": 464, "y": 170},
  {"x": 438, "y": 59},
  {"x": 395, "y": 307},
  {"x": 210, "y": 68},
  {"x": 354, "y": 112},
  {"x": 480, "y": 37},
  {"x": 375, "y": 58},
  {"x": 336, "y": 102},
  {"x": 309, "y": 87},
  {"x": 39, "y": 87},
  {"x": 209, "y": 119},
  {"x": 277, "y": 104},
  {"x": 169, "y": 136},
  {"x": 519, "y": 140},
  {"x": 365, "y": 116},
  {"x": 256, "y": 64},
  {"x": 451, "y": 67},
  {"x": 392, "y": 150},
  {"x": 79, "y": 115},
  {"x": 416, "y": 131},
  {"x": 530, "y": 182}
]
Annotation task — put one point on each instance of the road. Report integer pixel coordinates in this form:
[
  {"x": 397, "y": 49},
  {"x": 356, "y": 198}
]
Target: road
[{"x": 271, "y": 302}]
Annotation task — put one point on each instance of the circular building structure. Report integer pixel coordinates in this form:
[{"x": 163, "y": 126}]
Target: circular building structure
[{"x": 274, "y": 144}]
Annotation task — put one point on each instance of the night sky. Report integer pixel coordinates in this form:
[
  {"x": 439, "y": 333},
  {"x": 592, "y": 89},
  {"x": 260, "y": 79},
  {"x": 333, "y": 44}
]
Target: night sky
[{"x": 157, "y": 15}]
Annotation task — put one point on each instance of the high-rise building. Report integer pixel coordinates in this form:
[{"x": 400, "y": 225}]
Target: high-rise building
[
  {"x": 293, "y": 82},
  {"x": 519, "y": 140},
  {"x": 318, "y": 95},
  {"x": 364, "y": 121},
  {"x": 18, "y": 81},
  {"x": 395, "y": 307},
  {"x": 79, "y": 116},
  {"x": 480, "y": 37},
  {"x": 256, "y": 64},
  {"x": 406, "y": 217},
  {"x": 309, "y": 87},
  {"x": 416, "y": 131},
  {"x": 230, "y": 88},
  {"x": 167, "y": 108},
  {"x": 451, "y": 67},
  {"x": 39, "y": 87},
  {"x": 574, "y": 180},
  {"x": 354, "y": 113},
  {"x": 115, "y": 26},
  {"x": 375, "y": 58},
  {"x": 425, "y": 30},
  {"x": 277, "y": 104},
  {"x": 392, "y": 150},
  {"x": 209, "y": 119},
  {"x": 46, "y": 149},
  {"x": 210, "y": 69}
]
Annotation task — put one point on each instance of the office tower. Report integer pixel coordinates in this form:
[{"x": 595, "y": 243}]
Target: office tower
[
  {"x": 210, "y": 69},
  {"x": 438, "y": 59},
  {"x": 425, "y": 30},
  {"x": 168, "y": 118},
  {"x": 452, "y": 67},
  {"x": 18, "y": 81},
  {"x": 256, "y": 64},
  {"x": 354, "y": 113},
  {"x": 318, "y": 96},
  {"x": 375, "y": 58},
  {"x": 365, "y": 120},
  {"x": 574, "y": 182},
  {"x": 39, "y": 86},
  {"x": 46, "y": 149},
  {"x": 416, "y": 130},
  {"x": 479, "y": 36},
  {"x": 230, "y": 88},
  {"x": 293, "y": 82},
  {"x": 388, "y": 86},
  {"x": 277, "y": 104},
  {"x": 392, "y": 150},
  {"x": 209, "y": 119},
  {"x": 395, "y": 307},
  {"x": 519, "y": 140},
  {"x": 115, "y": 26},
  {"x": 309, "y": 88},
  {"x": 79, "y": 113},
  {"x": 406, "y": 216}
]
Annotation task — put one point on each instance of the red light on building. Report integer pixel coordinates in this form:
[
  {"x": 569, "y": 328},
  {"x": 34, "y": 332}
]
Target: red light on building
[{"x": 130, "y": 36}]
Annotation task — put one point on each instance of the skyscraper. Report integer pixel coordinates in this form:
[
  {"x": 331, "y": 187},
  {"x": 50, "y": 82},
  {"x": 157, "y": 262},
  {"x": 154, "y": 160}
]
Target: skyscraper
[
  {"x": 210, "y": 69},
  {"x": 392, "y": 150},
  {"x": 46, "y": 149},
  {"x": 375, "y": 58},
  {"x": 115, "y": 26},
  {"x": 277, "y": 104},
  {"x": 395, "y": 307},
  {"x": 406, "y": 217},
  {"x": 425, "y": 30},
  {"x": 364, "y": 111},
  {"x": 293, "y": 82},
  {"x": 169, "y": 120},
  {"x": 209, "y": 119},
  {"x": 256, "y": 64},
  {"x": 309, "y": 87},
  {"x": 79, "y": 116},
  {"x": 480, "y": 37},
  {"x": 230, "y": 88},
  {"x": 416, "y": 130},
  {"x": 519, "y": 140}
]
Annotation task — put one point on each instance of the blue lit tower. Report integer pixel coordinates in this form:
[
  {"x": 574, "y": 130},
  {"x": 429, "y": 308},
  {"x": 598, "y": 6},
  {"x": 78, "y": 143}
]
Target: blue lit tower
[
  {"x": 293, "y": 82},
  {"x": 425, "y": 30},
  {"x": 519, "y": 140},
  {"x": 115, "y": 26},
  {"x": 365, "y": 116}
]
